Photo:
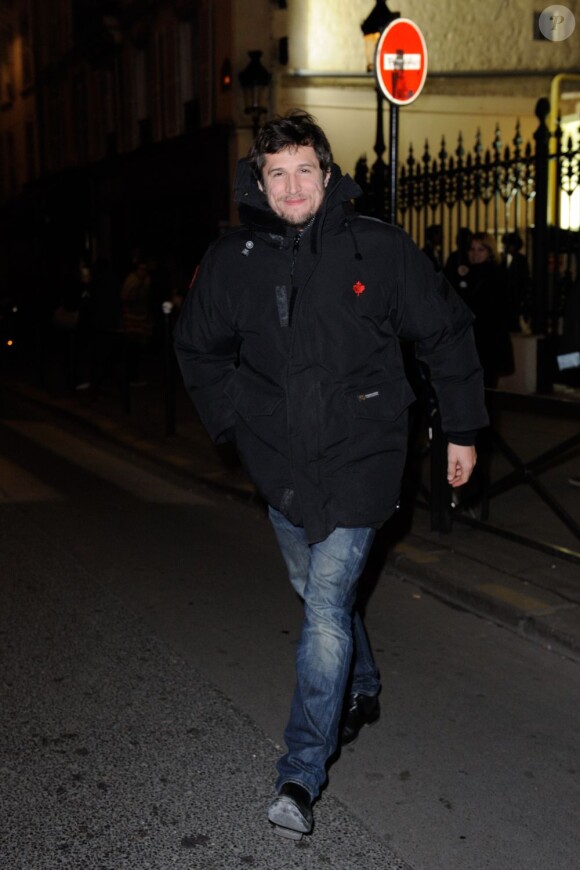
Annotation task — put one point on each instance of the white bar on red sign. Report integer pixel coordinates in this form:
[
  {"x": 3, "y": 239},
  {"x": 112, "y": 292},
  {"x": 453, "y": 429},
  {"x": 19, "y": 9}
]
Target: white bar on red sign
[{"x": 401, "y": 61}]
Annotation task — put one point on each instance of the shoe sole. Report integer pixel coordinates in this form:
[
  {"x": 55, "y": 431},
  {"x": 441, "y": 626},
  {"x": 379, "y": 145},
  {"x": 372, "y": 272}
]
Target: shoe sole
[{"x": 287, "y": 819}]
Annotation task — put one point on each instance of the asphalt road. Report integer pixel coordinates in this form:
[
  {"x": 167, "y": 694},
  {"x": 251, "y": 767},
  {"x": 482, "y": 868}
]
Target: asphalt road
[{"x": 148, "y": 634}]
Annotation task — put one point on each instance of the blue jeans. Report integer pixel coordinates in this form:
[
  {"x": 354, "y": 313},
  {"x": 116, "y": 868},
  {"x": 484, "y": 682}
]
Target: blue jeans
[{"x": 332, "y": 645}]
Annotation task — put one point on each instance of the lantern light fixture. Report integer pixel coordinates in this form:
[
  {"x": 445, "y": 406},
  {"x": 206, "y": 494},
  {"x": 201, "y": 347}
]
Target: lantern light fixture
[
  {"x": 255, "y": 81},
  {"x": 373, "y": 26}
]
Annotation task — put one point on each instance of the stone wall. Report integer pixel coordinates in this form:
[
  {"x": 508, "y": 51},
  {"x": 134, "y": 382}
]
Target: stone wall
[
  {"x": 461, "y": 36},
  {"x": 485, "y": 69}
]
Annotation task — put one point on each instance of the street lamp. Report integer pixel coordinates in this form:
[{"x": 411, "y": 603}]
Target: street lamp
[
  {"x": 372, "y": 27},
  {"x": 255, "y": 80}
]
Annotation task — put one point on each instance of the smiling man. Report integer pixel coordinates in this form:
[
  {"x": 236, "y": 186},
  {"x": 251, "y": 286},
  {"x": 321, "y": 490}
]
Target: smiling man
[
  {"x": 289, "y": 347},
  {"x": 294, "y": 184}
]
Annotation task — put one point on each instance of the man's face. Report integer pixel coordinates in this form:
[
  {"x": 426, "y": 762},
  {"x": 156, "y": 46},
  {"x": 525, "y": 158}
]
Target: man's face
[{"x": 294, "y": 183}]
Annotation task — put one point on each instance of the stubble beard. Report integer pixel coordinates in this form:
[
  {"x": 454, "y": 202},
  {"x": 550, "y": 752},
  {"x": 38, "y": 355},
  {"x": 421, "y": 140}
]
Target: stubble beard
[{"x": 299, "y": 221}]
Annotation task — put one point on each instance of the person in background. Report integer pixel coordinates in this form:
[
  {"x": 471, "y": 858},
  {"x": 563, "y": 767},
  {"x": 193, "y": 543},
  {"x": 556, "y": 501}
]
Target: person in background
[
  {"x": 289, "y": 345},
  {"x": 433, "y": 245},
  {"x": 106, "y": 312},
  {"x": 74, "y": 323},
  {"x": 457, "y": 263},
  {"x": 483, "y": 290},
  {"x": 136, "y": 318},
  {"x": 516, "y": 280}
]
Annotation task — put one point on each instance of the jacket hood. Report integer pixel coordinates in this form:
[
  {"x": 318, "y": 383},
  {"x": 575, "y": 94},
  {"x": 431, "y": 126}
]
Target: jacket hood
[{"x": 253, "y": 207}]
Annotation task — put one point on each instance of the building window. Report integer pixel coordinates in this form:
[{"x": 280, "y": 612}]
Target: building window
[
  {"x": 30, "y": 150},
  {"x": 168, "y": 68},
  {"x": 105, "y": 113},
  {"x": 3, "y": 188},
  {"x": 55, "y": 17},
  {"x": 7, "y": 90},
  {"x": 27, "y": 61},
  {"x": 142, "y": 77},
  {"x": 204, "y": 50},
  {"x": 10, "y": 160},
  {"x": 55, "y": 126},
  {"x": 81, "y": 121},
  {"x": 185, "y": 62}
]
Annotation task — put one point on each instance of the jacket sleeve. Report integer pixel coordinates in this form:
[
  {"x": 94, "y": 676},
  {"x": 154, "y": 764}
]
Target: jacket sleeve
[
  {"x": 430, "y": 313},
  {"x": 206, "y": 346}
]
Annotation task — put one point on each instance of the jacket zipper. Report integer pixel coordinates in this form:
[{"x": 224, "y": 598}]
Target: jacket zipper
[
  {"x": 293, "y": 294},
  {"x": 293, "y": 289}
]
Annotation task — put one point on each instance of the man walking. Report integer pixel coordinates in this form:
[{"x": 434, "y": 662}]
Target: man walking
[{"x": 289, "y": 347}]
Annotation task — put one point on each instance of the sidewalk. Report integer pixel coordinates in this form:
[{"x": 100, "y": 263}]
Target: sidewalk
[{"x": 524, "y": 589}]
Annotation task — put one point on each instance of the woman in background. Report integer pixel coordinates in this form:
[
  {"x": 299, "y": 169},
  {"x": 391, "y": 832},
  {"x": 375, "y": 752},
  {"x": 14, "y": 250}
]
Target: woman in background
[{"x": 483, "y": 289}]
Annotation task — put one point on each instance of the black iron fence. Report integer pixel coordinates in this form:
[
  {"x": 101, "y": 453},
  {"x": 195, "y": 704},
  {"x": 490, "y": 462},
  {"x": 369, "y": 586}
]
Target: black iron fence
[{"x": 518, "y": 187}]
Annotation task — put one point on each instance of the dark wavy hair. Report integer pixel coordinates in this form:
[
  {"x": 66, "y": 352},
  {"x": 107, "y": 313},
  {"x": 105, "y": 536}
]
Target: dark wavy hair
[{"x": 291, "y": 130}]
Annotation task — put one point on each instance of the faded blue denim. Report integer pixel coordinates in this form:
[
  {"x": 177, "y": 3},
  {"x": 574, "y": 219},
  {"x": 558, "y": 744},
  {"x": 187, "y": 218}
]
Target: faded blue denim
[{"x": 333, "y": 642}]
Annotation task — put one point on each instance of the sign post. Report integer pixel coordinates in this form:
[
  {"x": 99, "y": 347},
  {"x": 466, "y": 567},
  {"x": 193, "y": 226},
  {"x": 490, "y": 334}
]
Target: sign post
[{"x": 400, "y": 70}]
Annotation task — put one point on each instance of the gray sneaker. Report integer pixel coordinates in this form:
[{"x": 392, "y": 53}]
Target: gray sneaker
[{"x": 291, "y": 811}]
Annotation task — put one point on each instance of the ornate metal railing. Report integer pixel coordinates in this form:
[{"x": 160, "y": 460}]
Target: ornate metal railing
[
  {"x": 480, "y": 190},
  {"x": 499, "y": 189}
]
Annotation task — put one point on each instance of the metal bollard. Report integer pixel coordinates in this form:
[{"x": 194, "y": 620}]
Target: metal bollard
[{"x": 168, "y": 369}]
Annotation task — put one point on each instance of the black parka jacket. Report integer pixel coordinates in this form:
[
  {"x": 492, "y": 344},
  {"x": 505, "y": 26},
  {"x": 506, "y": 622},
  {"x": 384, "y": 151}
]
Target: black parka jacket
[{"x": 289, "y": 345}]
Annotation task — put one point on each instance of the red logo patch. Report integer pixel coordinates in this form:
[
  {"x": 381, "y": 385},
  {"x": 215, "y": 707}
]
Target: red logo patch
[{"x": 358, "y": 288}]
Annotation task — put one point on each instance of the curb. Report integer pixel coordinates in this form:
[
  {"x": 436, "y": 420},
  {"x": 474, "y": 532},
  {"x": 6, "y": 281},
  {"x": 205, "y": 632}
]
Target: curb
[
  {"x": 534, "y": 613},
  {"x": 155, "y": 451}
]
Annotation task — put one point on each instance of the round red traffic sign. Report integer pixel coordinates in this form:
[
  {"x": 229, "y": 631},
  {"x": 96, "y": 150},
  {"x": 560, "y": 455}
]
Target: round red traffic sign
[{"x": 401, "y": 62}]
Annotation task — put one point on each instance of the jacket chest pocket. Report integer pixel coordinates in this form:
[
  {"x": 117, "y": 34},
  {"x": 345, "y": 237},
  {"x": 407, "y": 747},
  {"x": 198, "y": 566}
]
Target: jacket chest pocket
[{"x": 383, "y": 401}]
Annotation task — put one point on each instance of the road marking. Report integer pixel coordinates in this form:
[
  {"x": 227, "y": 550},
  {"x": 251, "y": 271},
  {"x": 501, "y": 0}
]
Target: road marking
[
  {"x": 18, "y": 486},
  {"x": 527, "y": 603},
  {"x": 417, "y": 555},
  {"x": 136, "y": 481}
]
